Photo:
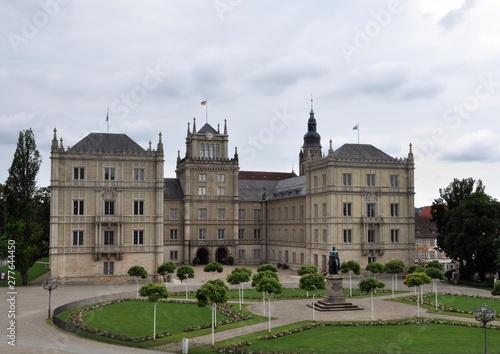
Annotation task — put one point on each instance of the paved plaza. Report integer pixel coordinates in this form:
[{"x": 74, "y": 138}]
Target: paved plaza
[{"x": 35, "y": 335}]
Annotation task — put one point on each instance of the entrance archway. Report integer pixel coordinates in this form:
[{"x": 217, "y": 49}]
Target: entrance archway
[
  {"x": 221, "y": 255},
  {"x": 202, "y": 254}
]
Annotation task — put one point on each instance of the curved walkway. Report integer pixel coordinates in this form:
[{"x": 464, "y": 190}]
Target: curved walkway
[{"x": 35, "y": 335}]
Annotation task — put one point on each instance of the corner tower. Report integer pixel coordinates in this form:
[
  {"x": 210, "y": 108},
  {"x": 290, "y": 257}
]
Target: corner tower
[{"x": 311, "y": 150}]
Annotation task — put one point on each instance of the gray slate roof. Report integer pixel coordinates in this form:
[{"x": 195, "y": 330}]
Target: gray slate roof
[
  {"x": 289, "y": 187},
  {"x": 103, "y": 141},
  {"x": 252, "y": 190},
  {"x": 361, "y": 151},
  {"x": 207, "y": 128},
  {"x": 172, "y": 189}
]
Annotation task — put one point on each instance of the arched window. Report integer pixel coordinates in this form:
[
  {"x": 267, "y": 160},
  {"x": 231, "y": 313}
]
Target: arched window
[
  {"x": 217, "y": 151},
  {"x": 202, "y": 150},
  {"x": 206, "y": 151},
  {"x": 211, "y": 151}
]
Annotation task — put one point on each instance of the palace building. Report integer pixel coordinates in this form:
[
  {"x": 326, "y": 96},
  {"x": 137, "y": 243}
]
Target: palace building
[{"x": 112, "y": 207}]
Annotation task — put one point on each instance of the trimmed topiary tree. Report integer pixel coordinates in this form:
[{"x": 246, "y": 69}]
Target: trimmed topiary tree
[
  {"x": 213, "y": 267},
  {"x": 350, "y": 267},
  {"x": 137, "y": 272},
  {"x": 307, "y": 269},
  {"x": 369, "y": 285},
  {"x": 154, "y": 293},
  {"x": 496, "y": 288}
]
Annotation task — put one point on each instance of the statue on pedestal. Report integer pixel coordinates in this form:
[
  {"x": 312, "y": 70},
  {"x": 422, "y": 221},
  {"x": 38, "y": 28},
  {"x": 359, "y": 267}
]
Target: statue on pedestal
[{"x": 333, "y": 261}]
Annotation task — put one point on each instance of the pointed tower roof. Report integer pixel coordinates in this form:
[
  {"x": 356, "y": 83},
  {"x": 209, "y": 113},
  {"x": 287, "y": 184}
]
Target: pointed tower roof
[{"x": 312, "y": 138}]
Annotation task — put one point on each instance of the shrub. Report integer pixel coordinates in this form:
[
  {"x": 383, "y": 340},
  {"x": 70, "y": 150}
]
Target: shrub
[
  {"x": 230, "y": 260},
  {"x": 496, "y": 288},
  {"x": 196, "y": 260}
]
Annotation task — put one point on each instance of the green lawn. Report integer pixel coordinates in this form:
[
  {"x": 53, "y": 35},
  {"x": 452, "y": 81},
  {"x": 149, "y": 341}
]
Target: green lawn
[
  {"x": 135, "y": 318},
  {"x": 36, "y": 271},
  {"x": 461, "y": 303},
  {"x": 424, "y": 338}
]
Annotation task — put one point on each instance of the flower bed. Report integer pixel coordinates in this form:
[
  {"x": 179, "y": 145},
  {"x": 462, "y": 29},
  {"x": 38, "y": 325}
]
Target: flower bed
[{"x": 225, "y": 309}]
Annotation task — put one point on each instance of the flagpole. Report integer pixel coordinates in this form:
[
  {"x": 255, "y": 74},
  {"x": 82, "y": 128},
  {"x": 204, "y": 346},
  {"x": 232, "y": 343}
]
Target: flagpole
[
  {"x": 107, "y": 121},
  {"x": 358, "y": 133},
  {"x": 206, "y": 112}
]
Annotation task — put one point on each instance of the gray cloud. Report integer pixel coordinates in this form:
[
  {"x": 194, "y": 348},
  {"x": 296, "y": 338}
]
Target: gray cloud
[{"x": 455, "y": 16}]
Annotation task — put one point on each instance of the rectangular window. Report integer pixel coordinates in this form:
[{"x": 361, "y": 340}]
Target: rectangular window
[
  {"x": 294, "y": 215},
  {"x": 174, "y": 234},
  {"x": 301, "y": 212},
  {"x": 395, "y": 235},
  {"x": 77, "y": 238},
  {"x": 347, "y": 209},
  {"x": 302, "y": 237},
  {"x": 315, "y": 181},
  {"x": 347, "y": 236},
  {"x": 256, "y": 254},
  {"x": 241, "y": 214},
  {"x": 109, "y": 238},
  {"x": 221, "y": 214},
  {"x": 294, "y": 235},
  {"x": 241, "y": 254},
  {"x": 174, "y": 214},
  {"x": 286, "y": 213},
  {"x": 370, "y": 180},
  {"x": 109, "y": 173},
  {"x": 241, "y": 234},
  {"x": 323, "y": 178},
  {"x": 370, "y": 210},
  {"x": 79, "y": 173},
  {"x": 202, "y": 190},
  {"x": 78, "y": 207},
  {"x": 372, "y": 259},
  {"x": 220, "y": 234},
  {"x": 371, "y": 236},
  {"x": 394, "y": 181},
  {"x": 202, "y": 213},
  {"x": 174, "y": 255},
  {"x": 324, "y": 236},
  {"x": 256, "y": 234},
  {"x": 138, "y": 207},
  {"x": 202, "y": 177},
  {"x": 323, "y": 210},
  {"x": 202, "y": 234},
  {"x": 316, "y": 235},
  {"x": 315, "y": 207},
  {"x": 394, "y": 210},
  {"x": 424, "y": 242},
  {"x": 108, "y": 268},
  {"x": 416, "y": 241},
  {"x": 109, "y": 207},
  {"x": 302, "y": 258},
  {"x": 257, "y": 214},
  {"x": 347, "y": 179},
  {"x": 221, "y": 190},
  {"x": 138, "y": 237},
  {"x": 138, "y": 175},
  {"x": 221, "y": 178}
]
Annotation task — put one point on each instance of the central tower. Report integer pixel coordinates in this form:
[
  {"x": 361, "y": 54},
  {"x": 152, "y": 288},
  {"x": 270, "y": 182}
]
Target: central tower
[{"x": 311, "y": 150}]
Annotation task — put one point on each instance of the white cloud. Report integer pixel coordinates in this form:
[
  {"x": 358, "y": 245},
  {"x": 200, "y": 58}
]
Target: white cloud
[{"x": 479, "y": 146}]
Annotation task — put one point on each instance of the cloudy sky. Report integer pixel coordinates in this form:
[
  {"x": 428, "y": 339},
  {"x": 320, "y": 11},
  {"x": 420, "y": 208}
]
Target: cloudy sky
[{"x": 420, "y": 72}]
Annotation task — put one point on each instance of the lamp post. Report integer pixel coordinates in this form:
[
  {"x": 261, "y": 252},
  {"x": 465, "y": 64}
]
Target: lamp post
[
  {"x": 484, "y": 315},
  {"x": 49, "y": 284}
]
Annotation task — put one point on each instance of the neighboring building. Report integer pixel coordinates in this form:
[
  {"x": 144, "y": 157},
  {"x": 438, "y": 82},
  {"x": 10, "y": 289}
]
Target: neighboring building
[
  {"x": 357, "y": 198},
  {"x": 426, "y": 248}
]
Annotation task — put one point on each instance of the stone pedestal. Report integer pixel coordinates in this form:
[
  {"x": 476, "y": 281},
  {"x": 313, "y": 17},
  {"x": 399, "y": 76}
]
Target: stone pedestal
[
  {"x": 334, "y": 290},
  {"x": 334, "y": 299}
]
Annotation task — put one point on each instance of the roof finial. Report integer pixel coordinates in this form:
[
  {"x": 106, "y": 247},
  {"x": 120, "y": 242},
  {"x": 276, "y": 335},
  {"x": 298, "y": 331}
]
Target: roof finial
[
  {"x": 225, "y": 127},
  {"x": 312, "y": 111}
]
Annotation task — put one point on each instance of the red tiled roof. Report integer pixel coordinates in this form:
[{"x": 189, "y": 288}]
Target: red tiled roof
[{"x": 425, "y": 212}]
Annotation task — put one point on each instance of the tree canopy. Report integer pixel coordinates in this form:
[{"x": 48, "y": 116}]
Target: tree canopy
[
  {"x": 239, "y": 275},
  {"x": 312, "y": 281},
  {"x": 212, "y": 292},
  {"x": 375, "y": 267},
  {"x": 154, "y": 292},
  {"x": 350, "y": 265},
  {"x": 138, "y": 272},
  {"x": 267, "y": 266},
  {"x": 395, "y": 266},
  {"x": 257, "y": 277},
  {"x": 26, "y": 207},
  {"x": 307, "y": 269},
  {"x": 184, "y": 272},
  {"x": 213, "y": 267},
  {"x": 417, "y": 279},
  {"x": 468, "y": 222},
  {"x": 370, "y": 284},
  {"x": 269, "y": 284}
]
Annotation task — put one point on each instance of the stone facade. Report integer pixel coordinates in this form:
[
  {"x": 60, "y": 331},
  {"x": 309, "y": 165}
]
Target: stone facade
[{"x": 356, "y": 197}]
